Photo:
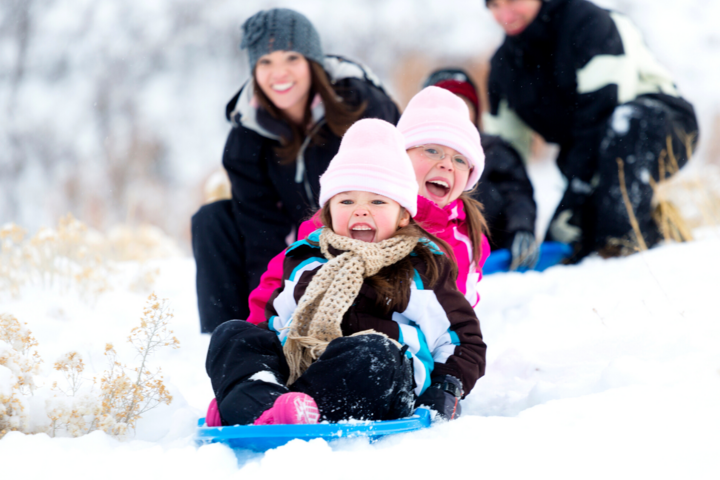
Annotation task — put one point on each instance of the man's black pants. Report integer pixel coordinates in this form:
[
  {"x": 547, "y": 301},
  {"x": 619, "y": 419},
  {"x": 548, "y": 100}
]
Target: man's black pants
[{"x": 636, "y": 133}]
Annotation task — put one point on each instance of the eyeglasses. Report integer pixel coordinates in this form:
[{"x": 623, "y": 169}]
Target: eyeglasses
[{"x": 436, "y": 153}]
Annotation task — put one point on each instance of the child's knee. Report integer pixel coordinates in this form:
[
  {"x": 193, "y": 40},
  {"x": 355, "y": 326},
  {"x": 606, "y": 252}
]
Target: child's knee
[
  {"x": 371, "y": 346},
  {"x": 231, "y": 333},
  {"x": 238, "y": 350},
  {"x": 230, "y": 329},
  {"x": 365, "y": 354}
]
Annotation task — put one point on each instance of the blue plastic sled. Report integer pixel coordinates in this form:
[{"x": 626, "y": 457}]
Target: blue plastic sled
[
  {"x": 551, "y": 253},
  {"x": 264, "y": 437}
]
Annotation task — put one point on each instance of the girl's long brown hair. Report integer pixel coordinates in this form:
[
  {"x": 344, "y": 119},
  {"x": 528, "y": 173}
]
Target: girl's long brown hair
[
  {"x": 476, "y": 223},
  {"x": 392, "y": 283},
  {"x": 339, "y": 115}
]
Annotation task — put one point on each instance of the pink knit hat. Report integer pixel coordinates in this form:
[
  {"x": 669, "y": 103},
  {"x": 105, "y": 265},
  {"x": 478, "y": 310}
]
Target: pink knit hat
[
  {"x": 436, "y": 115},
  {"x": 372, "y": 158}
]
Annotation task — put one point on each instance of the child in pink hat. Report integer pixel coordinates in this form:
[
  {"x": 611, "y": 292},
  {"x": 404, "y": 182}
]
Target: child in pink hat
[
  {"x": 368, "y": 322},
  {"x": 444, "y": 146}
]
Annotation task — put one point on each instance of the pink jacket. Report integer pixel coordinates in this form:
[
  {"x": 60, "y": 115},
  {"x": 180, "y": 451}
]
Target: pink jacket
[{"x": 446, "y": 223}]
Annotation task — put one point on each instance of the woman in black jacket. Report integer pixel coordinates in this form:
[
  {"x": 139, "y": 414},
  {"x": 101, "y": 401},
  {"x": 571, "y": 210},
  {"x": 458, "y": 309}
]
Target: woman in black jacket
[{"x": 287, "y": 124}]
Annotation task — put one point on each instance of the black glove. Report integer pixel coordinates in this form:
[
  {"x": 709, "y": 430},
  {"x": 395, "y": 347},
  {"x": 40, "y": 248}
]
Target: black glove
[
  {"x": 524, "y": 250},
  {"x": 443, "y": 396}
]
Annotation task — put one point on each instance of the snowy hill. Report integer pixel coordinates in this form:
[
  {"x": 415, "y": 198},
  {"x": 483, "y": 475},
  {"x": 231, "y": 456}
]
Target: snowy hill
[{"x": 607, "y": 368}]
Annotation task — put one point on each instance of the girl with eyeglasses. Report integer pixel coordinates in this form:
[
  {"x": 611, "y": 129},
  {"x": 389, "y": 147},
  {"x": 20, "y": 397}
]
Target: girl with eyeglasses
[{"x": 444, "y": 146}]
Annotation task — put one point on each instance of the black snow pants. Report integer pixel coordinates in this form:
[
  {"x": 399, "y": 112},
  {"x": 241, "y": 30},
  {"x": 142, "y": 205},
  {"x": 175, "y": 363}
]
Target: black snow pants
[
  {"x": 362, "y": 377},
  {"x": 223, "y": 285},
  {"x": 636, "y": 133}
]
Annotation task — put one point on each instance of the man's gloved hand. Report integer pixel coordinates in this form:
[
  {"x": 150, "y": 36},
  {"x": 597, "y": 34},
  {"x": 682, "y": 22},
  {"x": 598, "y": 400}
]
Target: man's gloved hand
[
  {"x": 443, "y": 396},
  {"x": 524, "y": 250},
  {"x": 566, "y": 225}
]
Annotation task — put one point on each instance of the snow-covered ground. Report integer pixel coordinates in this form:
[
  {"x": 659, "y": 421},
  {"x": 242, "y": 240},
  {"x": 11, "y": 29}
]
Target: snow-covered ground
[{"x": 607, "y": 368}]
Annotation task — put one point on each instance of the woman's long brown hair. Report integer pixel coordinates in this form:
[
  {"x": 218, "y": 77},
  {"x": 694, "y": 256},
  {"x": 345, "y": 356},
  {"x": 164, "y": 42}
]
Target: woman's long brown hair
[
  {"x": 392, "y": 283},
  {"x": 339, "y": 115}
]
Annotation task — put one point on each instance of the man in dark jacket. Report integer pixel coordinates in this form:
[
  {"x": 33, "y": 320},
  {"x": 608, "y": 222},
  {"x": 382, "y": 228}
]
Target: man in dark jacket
[
  {"x": 582, "y": 77},
  {"x": 504, "y": 188}
]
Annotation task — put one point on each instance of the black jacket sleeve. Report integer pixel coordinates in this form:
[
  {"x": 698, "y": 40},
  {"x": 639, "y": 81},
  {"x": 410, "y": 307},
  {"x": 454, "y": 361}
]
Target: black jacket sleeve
[
  {"x": 261, "y": 219},
  {"x": 505, "y": 188},
  {"x": 467, "y": 362},
  {"x": 593, "y": 34}
]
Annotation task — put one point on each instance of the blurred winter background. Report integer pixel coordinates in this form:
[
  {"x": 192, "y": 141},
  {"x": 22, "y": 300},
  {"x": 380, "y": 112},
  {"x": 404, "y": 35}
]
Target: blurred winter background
[{"x": 114, "y": 109}]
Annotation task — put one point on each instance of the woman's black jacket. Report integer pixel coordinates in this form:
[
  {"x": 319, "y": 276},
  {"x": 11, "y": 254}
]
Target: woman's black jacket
[{"x": 271, "y": 197}]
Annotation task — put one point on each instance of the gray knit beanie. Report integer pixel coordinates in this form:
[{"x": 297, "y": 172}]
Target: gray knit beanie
[{"x": 280, "y": 29}]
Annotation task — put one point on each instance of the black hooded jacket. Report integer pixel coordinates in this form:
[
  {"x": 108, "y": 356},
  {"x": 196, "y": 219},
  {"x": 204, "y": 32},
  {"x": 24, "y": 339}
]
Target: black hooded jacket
[
  {"x": 505, "y": 191},
  {"x": 564, "y": 75},
  {"x": 272, "y": 198}
]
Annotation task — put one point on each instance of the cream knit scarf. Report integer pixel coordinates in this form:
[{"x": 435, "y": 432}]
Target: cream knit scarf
[{"x": 317, "y": 318}]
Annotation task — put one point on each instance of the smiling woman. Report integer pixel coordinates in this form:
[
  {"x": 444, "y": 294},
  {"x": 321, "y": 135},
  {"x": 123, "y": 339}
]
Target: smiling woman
[
  {"x": 287, "y": 124},
  {"x": 284, "y": 78}
]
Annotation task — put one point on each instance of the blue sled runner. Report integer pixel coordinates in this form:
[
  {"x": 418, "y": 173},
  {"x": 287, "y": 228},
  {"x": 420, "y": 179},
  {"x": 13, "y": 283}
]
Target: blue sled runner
[
  {"x": 551, "y": 253},
  {"x": 264, "y": 437}
]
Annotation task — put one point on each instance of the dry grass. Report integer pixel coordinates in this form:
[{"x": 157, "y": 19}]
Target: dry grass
[
  {"x": 682, "y": 203},
  {"x": 631, "y": 214},
  {"x": 73, "y": 257},
  {"x": 124, "y": 395},
  {"x": 688, "y": 201}
]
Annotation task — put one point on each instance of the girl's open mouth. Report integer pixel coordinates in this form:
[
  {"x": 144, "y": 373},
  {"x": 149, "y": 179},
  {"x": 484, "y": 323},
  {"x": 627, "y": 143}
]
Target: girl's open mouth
[
  {"x": 437, "y": 188},
  {"x": 362, "y": 232}
]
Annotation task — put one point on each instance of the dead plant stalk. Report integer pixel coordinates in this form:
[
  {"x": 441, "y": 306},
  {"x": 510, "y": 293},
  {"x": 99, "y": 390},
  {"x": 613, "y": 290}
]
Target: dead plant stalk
[{"x": 626, "y": 198}]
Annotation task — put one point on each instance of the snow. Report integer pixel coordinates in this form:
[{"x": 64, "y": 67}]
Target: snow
[
  {"x": 621, "y": 119},
  {"x": 265, "y": 376},
  {"x": 610, "y": 367}
]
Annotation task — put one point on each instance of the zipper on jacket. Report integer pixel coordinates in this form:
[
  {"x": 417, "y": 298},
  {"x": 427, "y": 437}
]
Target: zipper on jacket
[{"x": 300, "y": 170}]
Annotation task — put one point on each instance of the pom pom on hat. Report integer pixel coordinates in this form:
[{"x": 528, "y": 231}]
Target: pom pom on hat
[
  {"x": 372, "y": 158},
  {"x": 435, "y": 115}
]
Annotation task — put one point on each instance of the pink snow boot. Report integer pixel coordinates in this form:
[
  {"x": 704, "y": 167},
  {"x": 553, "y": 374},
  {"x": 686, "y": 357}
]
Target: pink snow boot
[
  {"x": 290, "y": 408},
  {"x": 212, "y": 418}
]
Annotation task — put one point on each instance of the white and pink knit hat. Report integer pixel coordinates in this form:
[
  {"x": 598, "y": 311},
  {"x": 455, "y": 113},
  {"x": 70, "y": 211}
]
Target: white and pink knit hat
[
  {"x": 372, "y": 158},
  {"x": 436, "y": 115}
]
